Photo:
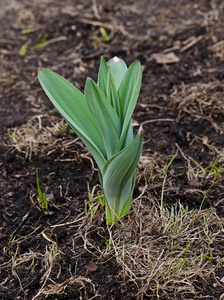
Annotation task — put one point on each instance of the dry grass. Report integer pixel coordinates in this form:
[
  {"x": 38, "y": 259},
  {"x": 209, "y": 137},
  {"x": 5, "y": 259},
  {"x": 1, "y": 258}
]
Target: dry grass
[
  {"x": 45, "y": 265},
  {"x": 32, "y": 262},
  {"x": 33, "y": 137},
  {"x": 168, "y": 253},
  {"x": 43, "y": 135},
  {"x": 200, "y": 101},
  {"x": 165, "y": 254},
  {"x": 162, "y": 255}
]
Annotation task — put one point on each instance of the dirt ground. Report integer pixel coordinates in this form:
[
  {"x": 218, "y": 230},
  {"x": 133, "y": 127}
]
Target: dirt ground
[{"x": 171, "y": 244}]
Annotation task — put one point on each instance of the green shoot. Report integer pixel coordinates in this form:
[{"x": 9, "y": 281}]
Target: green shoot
[
  {"x": 165, "y": 172},
  {"x": 183, "y": 260},
  {"x": 171, "y": 255},
  {"x": 9, "y": 245},
  {"x": 33, "y": 268},
  {"x": 43, "y": 43},
  {"x": 205, "y": 195},
  {"x": 22, "y": 51},
  {"x": 94, "y": 202},
  {"x": 179, "y": 219},
  {"x": 108, "y": 243},
  {"x": 11, "y": 135},
  {"x": 54, "y": 248},
  {"x": 171, "y": 215},
  {"x": 206, "y": 256},
  {"x": 206, "y": 230},
  {"x": 170, "y": 162},
  {"x": 63, "y": 293},
  {"x": 101, "y": 117},
  {"x": 105, "y": 37},
  {"x": 42, "y": 197},
  {"x": 29, "y": 30},
  {"x": 23, "y": 38},
  {"x": 214, "y": 170},
  {"x": 151, "y": 171},
  {"x": 41, "y": 40}
]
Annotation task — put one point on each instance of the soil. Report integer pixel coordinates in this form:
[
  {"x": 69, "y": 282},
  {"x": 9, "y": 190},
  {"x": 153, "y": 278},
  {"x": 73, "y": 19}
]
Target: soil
[{"x": 63, "y": 252}]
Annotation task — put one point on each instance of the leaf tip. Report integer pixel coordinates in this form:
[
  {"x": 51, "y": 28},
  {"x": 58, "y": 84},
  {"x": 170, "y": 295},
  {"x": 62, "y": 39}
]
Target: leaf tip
[
  {"x": 39, "y": 69},
  {"x": 141, "y": 131}
]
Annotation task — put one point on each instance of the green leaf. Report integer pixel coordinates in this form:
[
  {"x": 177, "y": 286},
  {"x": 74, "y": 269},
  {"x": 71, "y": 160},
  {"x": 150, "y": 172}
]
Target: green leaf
[
  {"x": 72, "y": 105},
  {"x": 97, "y": 155},
  {"x": 129, "y": 91},
  {"x": 112, "y": 94},
  {"x": 126, "y": 138},
  {"x": 123, "y": 206},
  {"x": 118, "y": 69},
  {"x": 128, "y": 94},
  {"x": 106, "y": 117},
  {"x": 118, "y": 176},
  {"x": 102, "y": 76},
  {"x": 128, "y": 135},
  {"x": 38, "y": 186}
]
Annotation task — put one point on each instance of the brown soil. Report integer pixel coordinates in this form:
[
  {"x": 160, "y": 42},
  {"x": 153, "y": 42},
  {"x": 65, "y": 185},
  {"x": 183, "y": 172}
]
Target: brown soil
[{"x": 65, "y": 252}]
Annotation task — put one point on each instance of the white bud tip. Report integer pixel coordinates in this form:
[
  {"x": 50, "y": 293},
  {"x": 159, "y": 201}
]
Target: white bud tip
[{"x": 116, "y": 59}]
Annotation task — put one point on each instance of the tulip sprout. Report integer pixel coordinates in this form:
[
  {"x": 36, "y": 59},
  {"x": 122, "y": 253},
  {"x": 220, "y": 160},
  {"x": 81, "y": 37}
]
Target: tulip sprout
[{"x": 101, "y": 117}]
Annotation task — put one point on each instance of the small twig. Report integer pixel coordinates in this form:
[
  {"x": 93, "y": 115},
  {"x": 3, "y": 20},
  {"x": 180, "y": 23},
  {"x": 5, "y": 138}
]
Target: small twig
[
  {"x": 157, "y": 120},
  {"x": 16, "y": 275},
  {"x": 182, "y": 153},
  {"x": 192, "y": 43},
  {"x": 95, "y": 10},
  {"x": 220, "y": 43},
  {"x": 171, "y": 49},
  {"x": 8, "y": 41},
  {"x": 97, "y": 23},
  {"x": 68, "y": 223}
]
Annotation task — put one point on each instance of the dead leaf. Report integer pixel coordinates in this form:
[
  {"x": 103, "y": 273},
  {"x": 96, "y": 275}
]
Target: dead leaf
[
  {"x": 92, "y": 267},
  {"x": 194, "y": 183},
  {"x": 70, "y": 10},
  {"x": 2, "y": 236},
  {"x": 169, "y": 58}
]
